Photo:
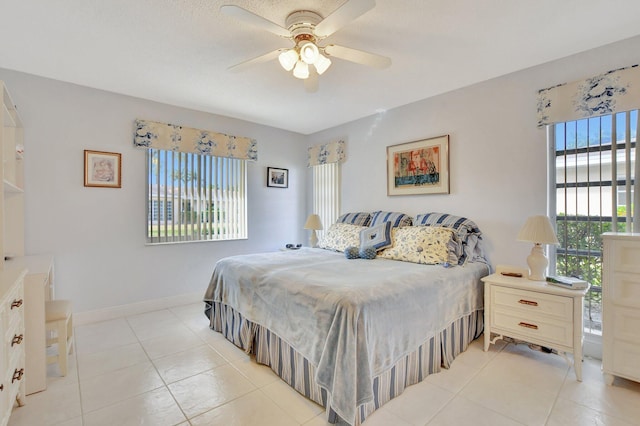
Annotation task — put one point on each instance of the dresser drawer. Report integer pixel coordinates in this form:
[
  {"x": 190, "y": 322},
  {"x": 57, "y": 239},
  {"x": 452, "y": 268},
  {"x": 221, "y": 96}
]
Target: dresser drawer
[
  {"x": 624, "y": 359},
  {"x": 522, "y": 302},
  {"x": 625, "y": 289},
  {"x": 536, "y": 328}
]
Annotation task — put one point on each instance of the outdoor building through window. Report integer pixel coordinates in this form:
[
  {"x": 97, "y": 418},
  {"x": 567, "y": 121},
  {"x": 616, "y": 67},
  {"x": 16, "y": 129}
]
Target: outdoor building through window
[
  {"x": 592, "y": 180},
  {"x": 194, "y": 197}
]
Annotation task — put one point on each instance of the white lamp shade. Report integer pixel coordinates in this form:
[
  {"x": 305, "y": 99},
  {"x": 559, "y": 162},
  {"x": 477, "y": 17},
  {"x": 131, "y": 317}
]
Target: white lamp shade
[
  {"x": 288, "y": 59},
  {"x": 313, "y": 222},
  {"x": 301, "y": 70},
  {"x": 309, "y": 52},
  {"x": 322, "y": 64},
  {"x": 538, "y": 229}
]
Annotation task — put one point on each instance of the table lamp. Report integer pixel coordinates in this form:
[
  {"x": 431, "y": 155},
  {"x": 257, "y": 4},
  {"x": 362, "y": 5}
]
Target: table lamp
[
  {"x": 313, "y": 222},
  {"x": 538, "y": 230}
]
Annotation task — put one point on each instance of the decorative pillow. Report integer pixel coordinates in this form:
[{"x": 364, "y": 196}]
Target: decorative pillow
[
  {"x": 339, "y": 236},
  {"x": 396, "y": 219},
  {"x": 360, "y": 219},
  {"x": 429, "y": 245},
  {"x": 352, "y": 252},
  {"x": 368, "y": 252},
  {"x": 467, "y": 234},
  {"x": 378, "y": 237}
]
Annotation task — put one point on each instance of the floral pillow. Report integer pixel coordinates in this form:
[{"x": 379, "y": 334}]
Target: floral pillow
[
  {"x": 429, "y": 245},
  {"x": 339, "y": 236}
]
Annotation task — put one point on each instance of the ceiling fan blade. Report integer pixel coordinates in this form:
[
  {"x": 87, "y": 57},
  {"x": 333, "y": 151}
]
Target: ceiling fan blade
[
  {"x": 251, "y": 62},
  {"x": 346, "y": 13},
  {"x": 357, "y": 56},
  {"x": 311, "y": 82},
  {"x": 253, "y": 19}
]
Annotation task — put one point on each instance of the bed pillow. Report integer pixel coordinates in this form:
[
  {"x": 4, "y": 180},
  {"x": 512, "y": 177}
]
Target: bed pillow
[
  {"x": 467, "y": 233},
  {"x": 360, "y": 218},
  {"x": 339, "y": 236},
  {"x": 429, "y": 245},
  {"x": 378, "y": 237},
  {"x": 396, "y": 219}
]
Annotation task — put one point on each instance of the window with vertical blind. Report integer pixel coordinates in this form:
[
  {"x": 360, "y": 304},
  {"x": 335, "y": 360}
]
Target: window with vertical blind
[
  {"x": 592, "y": 181},
  {"x": 326, "y": 193},
  {"x": 195, "y": 197}
]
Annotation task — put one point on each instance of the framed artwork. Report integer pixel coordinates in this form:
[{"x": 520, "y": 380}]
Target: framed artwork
[
  {"x": 277, "y": 178},
  {"x": 102, "y": 169},
  {"x": 420, "y": 167}
]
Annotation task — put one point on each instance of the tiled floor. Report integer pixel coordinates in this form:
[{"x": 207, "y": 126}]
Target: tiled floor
[{"x": 167, "y": 368}]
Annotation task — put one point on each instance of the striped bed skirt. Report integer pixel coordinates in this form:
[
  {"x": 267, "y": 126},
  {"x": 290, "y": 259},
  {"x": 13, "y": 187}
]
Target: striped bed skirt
[{"x": 269, "y": 349}]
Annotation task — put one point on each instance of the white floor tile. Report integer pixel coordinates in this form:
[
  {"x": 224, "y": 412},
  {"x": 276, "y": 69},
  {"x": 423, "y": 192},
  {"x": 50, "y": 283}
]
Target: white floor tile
[
  {"x": 252, "y": 409},
  {"x": 566, "y": 412},
  {"x": 208, "y": 390},
  {"x": 419, "y": 403},
  {"x": 287, "y": 398},
  {"x": 171, "y": 341},
  {"x": 100, "y": 391},
  {"x": 188, "y": 363},
  {"x": 156, "y": 408},
  {"x": 54, "y": 405},
  {"x": 98, "y": 363},
  {"x": 258, "y": 374},
  {"x": 103, "y": 335},
  {"x": 461, "y": 411}
]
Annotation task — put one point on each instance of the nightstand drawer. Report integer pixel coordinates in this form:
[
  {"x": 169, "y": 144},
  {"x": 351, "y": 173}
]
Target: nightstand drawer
[
  {"x": 530, "y": 302},
  {"x": 534, "y": 327}
]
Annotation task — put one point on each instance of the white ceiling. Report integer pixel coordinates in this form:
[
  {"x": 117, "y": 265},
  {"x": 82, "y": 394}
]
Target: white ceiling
[{"x": 178, "y": 51}]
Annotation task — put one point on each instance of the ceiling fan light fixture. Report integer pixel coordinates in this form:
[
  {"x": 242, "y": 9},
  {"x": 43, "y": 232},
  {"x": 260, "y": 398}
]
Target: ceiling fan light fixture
[
  {"x": 309, "y": 52},
  {"x": 322, "y": 64},
  {"x": 288, "y": 59},
  {"x": 301, "y": 70}
]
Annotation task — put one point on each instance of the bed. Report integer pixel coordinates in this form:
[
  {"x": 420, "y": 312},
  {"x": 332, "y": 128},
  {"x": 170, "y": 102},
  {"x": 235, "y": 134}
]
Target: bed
[{"x": 353, "y": 333}]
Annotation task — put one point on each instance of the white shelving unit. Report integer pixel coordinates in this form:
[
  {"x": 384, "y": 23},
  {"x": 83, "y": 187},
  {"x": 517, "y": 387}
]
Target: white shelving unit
[{"x": 12, "y": 198}]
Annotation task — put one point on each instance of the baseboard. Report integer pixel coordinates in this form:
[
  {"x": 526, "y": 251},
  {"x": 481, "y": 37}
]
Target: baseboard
[
  {"x": 592, "y": 346},
  {"x": 89, "y": 317}
]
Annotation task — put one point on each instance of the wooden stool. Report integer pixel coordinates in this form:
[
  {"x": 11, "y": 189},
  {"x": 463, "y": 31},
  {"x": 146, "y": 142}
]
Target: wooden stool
[{"x": 59, "y": 324}]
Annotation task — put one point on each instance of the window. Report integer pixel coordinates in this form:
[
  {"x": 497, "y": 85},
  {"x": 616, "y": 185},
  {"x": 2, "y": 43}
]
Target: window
[
  {"x": 592, "y": 165},
  {"x": 326, "y": 193},
  {"x": 193, "y": 197}
]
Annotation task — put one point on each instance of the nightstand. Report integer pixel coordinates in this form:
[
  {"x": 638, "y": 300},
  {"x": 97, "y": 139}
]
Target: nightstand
[{"x": 535, "y": 312}]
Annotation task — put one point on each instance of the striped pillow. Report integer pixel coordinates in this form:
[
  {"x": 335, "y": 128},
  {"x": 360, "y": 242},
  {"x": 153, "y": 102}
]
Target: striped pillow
[
  {"x": 396, "y": 219},
  {"x": 360, "y": 218},
  {"x": 467, "y": 233}
]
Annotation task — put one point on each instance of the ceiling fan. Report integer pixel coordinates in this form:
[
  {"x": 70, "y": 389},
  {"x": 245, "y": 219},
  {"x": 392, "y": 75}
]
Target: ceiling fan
[{"x": 308, "y": 58}]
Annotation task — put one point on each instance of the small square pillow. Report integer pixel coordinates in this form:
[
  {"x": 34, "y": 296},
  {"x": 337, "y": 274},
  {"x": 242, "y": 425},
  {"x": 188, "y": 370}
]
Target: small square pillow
[
  {"x": 428, "y": 245},
  {"x": 378, "y": 237},
  {"x": 396, "y": 219},
  {"x": 339, "y": 236}
]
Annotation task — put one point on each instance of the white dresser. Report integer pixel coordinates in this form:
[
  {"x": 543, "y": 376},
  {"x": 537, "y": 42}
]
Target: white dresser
[
  {"x": 621, "y": 306},
  {"x": 12, "y": 348}
]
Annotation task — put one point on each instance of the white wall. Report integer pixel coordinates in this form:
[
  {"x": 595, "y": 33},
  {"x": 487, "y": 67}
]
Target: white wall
[
  {"x": 98, "y": 234},
  {"x": 497, "y": 154}
]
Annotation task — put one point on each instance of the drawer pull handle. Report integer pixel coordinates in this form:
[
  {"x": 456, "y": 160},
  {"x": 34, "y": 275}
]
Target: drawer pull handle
[
  {"x": 16, "y": 303},
  {"x": 527, "y": 325},
  {"x": 17, "y": 339},
  {"x": 17, "y": 375},
  {"x": 1, "y": 387},
  {"x": 527, "y": 302}
]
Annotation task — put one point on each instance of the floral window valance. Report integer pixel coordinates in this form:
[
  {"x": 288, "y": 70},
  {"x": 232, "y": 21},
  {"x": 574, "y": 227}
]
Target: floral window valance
[
  {"x": 608, "y": 93},
  {"x": 150, "y": 134},
  {"x": 332, "y": 152}
]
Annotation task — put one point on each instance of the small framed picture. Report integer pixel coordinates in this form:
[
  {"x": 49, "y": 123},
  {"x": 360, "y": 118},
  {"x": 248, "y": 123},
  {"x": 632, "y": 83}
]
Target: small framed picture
[
  {"x": 102, "y": 169},
  {"x": 277, "y": 178}
]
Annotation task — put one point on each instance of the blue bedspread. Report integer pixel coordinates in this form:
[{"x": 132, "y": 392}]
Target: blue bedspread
[{"x": 353, "y": 319}]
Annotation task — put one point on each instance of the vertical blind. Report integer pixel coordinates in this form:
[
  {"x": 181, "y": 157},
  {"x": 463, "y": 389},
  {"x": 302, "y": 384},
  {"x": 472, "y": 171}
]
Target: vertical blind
[
  {"x": 193, "y": 197},
  {"x": 326, "y": 193}
]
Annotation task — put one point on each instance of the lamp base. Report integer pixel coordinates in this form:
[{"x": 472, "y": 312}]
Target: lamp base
[
  {"x": 538, "y": 263},
  {"x": 313, "y": 239}
]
